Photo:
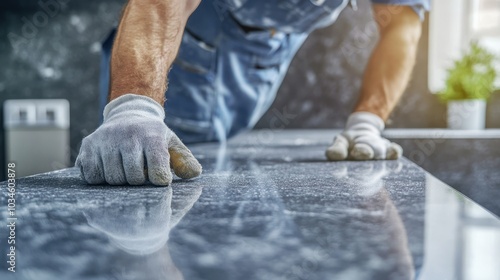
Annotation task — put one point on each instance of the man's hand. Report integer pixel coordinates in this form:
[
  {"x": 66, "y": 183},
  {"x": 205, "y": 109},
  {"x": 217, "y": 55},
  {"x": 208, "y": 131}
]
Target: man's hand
[
  {"x": 384, "y": 81},
  {"x": 361, "y": 140},
  {"x": 133, "y": 138}
]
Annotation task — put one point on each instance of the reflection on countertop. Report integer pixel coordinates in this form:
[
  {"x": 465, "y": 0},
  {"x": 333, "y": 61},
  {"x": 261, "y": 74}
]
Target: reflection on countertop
[{"x": 259, "y": 211}]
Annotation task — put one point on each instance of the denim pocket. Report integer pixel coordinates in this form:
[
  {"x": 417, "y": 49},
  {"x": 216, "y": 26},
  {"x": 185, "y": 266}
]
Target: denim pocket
[
  {"x": 195, "y": 55},
  {"x": 190, "y": 95}
]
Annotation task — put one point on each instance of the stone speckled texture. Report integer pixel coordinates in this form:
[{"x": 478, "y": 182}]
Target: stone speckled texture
[{"x": 268, "y": 206}]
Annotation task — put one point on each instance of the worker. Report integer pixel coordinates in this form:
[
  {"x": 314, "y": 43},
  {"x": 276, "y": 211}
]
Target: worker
[{"x": 225, "y": 60}]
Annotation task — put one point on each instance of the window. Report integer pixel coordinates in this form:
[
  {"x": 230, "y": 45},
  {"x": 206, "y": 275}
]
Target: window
[{"x": 452, "y": 25}]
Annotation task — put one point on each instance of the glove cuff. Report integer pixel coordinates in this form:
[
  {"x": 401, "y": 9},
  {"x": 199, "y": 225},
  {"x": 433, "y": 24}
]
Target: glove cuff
[
  {"x": 365, "y": 118},
  {"x": 134, "y": 104}
]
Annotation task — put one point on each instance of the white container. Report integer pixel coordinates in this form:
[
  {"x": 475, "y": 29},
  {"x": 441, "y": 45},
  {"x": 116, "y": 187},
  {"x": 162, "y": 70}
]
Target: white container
[{"x": 466, "y": 114}]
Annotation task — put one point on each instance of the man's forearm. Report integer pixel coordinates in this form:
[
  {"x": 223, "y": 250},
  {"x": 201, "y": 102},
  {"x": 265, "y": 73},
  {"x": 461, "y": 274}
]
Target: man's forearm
[
  {"x": 390, "y": 66},
  {"x": 146, "y": 45}
]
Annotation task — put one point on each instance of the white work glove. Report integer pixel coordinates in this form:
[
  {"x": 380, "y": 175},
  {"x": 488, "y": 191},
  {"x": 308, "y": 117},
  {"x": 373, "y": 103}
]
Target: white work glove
[
  {"x": 134, "y": 145},
  {"x": 361, "y": 140}
]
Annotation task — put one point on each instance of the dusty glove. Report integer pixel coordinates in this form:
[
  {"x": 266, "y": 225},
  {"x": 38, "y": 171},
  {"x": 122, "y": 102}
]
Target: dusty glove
[
  {"x": 361, "y": 140},
  {"x": 134, "y": 145}
]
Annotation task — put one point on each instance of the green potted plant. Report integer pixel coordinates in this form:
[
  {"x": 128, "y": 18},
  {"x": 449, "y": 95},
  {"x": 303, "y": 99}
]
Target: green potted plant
[{"x": 469, "y": 85}]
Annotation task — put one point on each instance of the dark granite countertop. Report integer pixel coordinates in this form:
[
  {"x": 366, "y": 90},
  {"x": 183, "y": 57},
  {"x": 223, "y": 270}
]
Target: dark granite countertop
[{"x": 266, "y": 207}]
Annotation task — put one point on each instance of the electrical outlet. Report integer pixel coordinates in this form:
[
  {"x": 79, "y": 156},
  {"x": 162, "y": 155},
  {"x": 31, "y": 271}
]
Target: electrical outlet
[
  {"x": 36, "y": 112},
  {"x": 19, "y": 113},
  {"x": 53, "y": 113}
]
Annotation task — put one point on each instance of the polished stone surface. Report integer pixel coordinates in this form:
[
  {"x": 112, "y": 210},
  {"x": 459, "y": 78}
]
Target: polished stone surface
[
  {"x": 268, "y": 206},
  {"x": 468, "y": 161}
]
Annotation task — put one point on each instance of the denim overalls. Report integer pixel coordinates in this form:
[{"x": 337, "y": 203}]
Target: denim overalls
[{"x": 233, "y": 57}]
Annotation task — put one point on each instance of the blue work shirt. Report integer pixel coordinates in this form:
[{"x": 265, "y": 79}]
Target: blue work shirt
[{"x": 233, "y": 57}]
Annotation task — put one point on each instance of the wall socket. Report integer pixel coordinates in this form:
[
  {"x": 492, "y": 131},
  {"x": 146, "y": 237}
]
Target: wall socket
[{"x": 36, "y": 112}]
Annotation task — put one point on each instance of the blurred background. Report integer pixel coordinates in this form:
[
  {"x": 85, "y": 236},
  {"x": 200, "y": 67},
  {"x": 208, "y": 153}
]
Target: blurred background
[{"x": 50, "y": 49}]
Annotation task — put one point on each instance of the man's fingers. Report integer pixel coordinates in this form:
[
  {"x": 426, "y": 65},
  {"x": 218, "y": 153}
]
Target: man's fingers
[
  {"x": 133, "y": 165},
  {"x": 183, "y": 162},
  {"x": 158, "y": 161},
  {"x": 339, "y": 150},
  {"x": 394, "y": 151},
  {"x": 113, "y": 168},
  {"x": 362, "y": 151},
  {"x": 91, "y": 168}
]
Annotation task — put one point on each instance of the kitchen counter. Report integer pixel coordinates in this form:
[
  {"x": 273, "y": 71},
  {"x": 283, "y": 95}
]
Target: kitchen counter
[{"x": 267, "y": 206}]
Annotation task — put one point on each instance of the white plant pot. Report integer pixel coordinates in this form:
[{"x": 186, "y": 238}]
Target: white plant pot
[{"x": 466, "y": 114}]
